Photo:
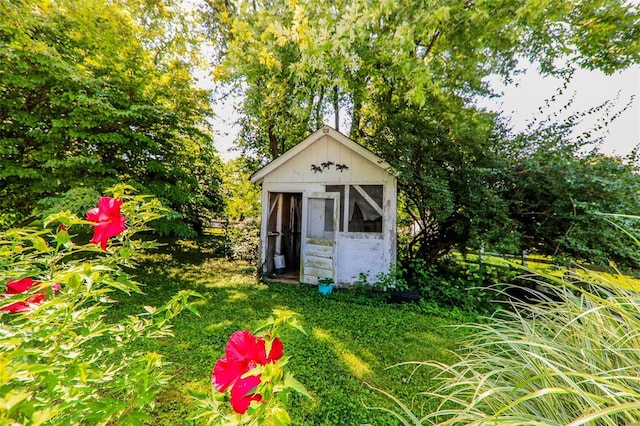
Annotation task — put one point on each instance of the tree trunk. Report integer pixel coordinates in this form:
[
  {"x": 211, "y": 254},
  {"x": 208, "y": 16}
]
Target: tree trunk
[{"x": 273, "y": 143}]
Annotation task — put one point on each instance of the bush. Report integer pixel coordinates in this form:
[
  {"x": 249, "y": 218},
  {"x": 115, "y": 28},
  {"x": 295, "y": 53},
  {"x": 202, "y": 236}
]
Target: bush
[
  {"x": 61, "y": 362},
  {"x": 244, "y": 240},
  {"x": 454, "y": 285}
]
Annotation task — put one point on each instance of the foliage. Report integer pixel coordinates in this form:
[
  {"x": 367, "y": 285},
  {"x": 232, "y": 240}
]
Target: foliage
[
  {"x": 274, "y": 382},
  {"x": 450, "y": 175},
  {"x": 556, "y": 194},
  {"x": 279, "y": 107},
  {"x": 349, "y": 339},
  {"x": 242, "y": 198},
  {"x": 568, "y": 361},
  {"x": 244, "y": 240},
  {"x": 447, "y": 285},
  {"x": 95, "y": 94},
  {"x": 570, "y": 357},
  {"x": 301, "y": 57},
  {"x": 407, "y": 74},
  {"x": 62, "y": 362}
]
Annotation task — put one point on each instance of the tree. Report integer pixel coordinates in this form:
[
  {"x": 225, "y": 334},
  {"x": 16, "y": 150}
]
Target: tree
[
  {"x": 557, "y": 197},
  {"x": 451, "y": 175},
  {"x": 442, "y": 47},
  {"x": 241, "y": 196},
  {"x": 408, "y": 73},
  {"x": 95, "y": 94}
]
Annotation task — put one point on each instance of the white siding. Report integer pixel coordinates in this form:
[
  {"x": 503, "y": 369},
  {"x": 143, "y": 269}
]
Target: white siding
[
  {"x": 298, "y": 169},
  {"x": 356, "y": 252}
]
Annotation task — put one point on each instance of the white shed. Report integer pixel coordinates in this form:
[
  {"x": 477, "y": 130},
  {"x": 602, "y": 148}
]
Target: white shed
[{"x": 328, "y": 211}]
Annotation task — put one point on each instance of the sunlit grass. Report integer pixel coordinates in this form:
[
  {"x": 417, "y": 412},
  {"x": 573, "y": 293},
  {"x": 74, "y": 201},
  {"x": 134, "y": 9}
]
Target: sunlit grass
[
  {"x": 538, "y": 264},
  {"x": 550, "y": 363},
  {"x": 347, "y": 343}
]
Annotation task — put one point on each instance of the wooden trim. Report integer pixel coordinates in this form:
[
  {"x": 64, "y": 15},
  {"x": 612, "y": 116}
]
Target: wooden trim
[
  {"x": 368, "y": 199},
  {"x": 259, "y": 175}
]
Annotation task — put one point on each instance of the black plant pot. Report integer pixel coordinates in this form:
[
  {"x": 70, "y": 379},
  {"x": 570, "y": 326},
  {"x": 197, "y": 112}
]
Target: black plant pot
[{"x": 404, "y": 296}]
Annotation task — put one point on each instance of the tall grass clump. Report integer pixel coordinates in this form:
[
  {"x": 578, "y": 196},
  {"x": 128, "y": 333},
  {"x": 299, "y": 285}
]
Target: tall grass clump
[
  {"x": 567, "y": 355},
  {"x": 572, "y": 357}
]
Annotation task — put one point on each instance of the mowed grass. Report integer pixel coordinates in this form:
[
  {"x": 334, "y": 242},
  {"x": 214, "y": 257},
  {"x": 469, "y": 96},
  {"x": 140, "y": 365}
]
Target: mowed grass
[{"x": 350, "y": 342}]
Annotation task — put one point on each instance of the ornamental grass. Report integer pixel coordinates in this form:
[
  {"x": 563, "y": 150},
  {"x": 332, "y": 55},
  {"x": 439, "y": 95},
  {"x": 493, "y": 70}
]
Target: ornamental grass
[{"x": 572, "y": 357}]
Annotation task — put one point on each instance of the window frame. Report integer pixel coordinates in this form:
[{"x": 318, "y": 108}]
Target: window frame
[{"x": 345, "y": 198}]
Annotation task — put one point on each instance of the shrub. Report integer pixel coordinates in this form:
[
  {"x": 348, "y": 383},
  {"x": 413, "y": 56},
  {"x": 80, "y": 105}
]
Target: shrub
[
  {"x": 244, "y": 240},
  {"x": 454, "y": 285},
  {"x": 61, "y": 362}
]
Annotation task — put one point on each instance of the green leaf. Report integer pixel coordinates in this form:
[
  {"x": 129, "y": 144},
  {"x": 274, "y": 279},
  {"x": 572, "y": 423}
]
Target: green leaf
[
  {"x": 278, "y": 416},
  {"x": 42, "y": 416},
  {"x": 13, "y": 398},
  {"x": 291, "y": 383},
  {"x": 62, "y": 237},
  {"x": 40, "y": 244}
]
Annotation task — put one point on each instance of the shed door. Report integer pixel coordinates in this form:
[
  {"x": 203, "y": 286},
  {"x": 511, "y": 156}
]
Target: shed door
[{"x": 320, "y": 236}]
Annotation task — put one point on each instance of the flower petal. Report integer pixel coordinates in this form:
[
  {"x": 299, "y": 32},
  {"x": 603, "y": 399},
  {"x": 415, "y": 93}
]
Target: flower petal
[
  {"x": 242, "y": 393},
  {"x": 16, "y": 307},
  {"x": 101, "y": 234},
  {"x": 36, "y": 298},
  {"x": 225, "y": 373},
  {"x": 277, "y": 348},
  {"x": 244, "y": 347},
  {"x": 92, "y": 215},
  {"x": 20, "y": 286},
  {"x": 108, "y": 222},
  {"x": 110, "y": 206}
]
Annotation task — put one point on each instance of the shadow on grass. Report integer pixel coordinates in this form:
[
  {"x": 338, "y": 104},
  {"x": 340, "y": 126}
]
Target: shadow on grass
[
  {"x": 346, "y": 343},
  {"x": 194, "y": 250}
]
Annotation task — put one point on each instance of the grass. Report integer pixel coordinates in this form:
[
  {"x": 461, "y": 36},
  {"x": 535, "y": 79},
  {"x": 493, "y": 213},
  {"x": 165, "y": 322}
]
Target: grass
[
  {"x": 349, "y": 345},
  {"x": 573, "y": 358},
  {"x": 543, "y": 268}
]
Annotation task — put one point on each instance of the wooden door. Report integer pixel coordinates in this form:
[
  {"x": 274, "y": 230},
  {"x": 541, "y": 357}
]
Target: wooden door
[{"x": 319, "y": 236}]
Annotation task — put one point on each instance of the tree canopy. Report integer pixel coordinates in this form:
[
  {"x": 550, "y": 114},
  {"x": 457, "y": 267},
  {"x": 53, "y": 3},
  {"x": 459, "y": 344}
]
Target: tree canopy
[
  {"x": 408, "y": 74},
  {"x": 294, "y": 56},
  {"x": 95, "y": 93}
]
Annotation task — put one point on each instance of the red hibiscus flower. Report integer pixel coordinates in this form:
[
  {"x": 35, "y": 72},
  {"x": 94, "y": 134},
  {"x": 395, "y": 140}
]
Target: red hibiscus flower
[
  {"x": 21, "y": 286},
  {"x": 108, "y": 220},
  {"x": 244, "y": 351}
]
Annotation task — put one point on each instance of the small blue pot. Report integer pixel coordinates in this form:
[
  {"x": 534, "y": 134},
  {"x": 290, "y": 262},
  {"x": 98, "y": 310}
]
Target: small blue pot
[{"x": 325, "y": 289}]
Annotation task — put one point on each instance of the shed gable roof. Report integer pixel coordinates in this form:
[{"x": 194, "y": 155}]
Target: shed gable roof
[{"x": 259, "y": 175}]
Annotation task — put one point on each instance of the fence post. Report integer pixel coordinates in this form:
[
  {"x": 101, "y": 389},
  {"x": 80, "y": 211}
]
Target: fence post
[
  {"x": 227, "y": 240},
  {"x": 524, "y": 258}
]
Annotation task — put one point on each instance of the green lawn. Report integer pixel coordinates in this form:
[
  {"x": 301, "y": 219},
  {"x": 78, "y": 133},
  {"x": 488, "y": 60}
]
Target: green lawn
[{"x": 349, "y": 341}]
